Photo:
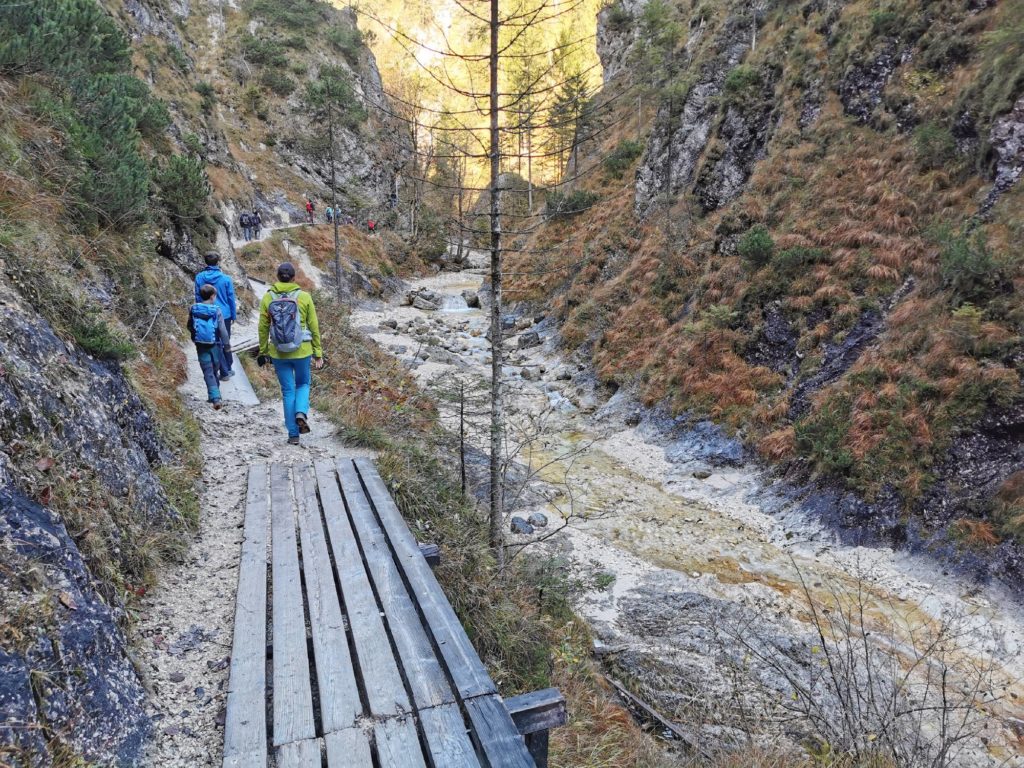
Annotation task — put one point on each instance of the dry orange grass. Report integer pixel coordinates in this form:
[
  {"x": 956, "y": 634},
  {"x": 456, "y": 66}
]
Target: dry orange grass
[
  {"x": 976, "y": 534},
  {"x": 778, "y": 445}
]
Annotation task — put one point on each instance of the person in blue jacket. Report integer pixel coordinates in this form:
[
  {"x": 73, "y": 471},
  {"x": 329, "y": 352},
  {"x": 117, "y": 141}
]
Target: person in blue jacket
[
  {"x": 225, "y": 289},
  {"x": 206, "y": 327}
]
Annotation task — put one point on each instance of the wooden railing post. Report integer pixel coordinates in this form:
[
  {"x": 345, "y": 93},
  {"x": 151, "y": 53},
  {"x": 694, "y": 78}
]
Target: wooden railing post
[{"x": 534, "y": 715}]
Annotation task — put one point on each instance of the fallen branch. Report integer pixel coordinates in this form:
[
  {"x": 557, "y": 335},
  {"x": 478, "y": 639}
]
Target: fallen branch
[
  {"x": 634, "y": 701},
  {"x": 152, "y": 322}
]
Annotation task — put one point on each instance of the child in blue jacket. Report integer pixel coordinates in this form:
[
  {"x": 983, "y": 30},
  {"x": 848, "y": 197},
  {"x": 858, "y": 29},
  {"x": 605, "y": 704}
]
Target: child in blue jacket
[{"x": 209, "y": 334}]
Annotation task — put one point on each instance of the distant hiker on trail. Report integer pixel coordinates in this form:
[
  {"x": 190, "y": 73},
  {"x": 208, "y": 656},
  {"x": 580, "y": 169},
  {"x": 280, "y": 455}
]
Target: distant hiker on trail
[
  {"x": 257, "y": 225},
  {"x": 330, "y": 215},
  {"x": 290, "y": 339},
  {"x": 210, "y": 335},
  {"x": 224, "y": 289},
  {"x": 310, "y": 210},
  {"x": 371, "y": 226},
  {"x": 245, "y": 221}
]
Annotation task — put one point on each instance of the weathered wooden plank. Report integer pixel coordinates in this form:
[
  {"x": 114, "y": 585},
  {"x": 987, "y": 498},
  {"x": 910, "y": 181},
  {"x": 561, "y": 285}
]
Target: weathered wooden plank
[
  {"x": 463, "y": 664},
  {"x": 377, "y": 665},
  {"x": 398, "y": 744},
  {"x": 348, "y": 749},
  {"x": 293, "y": 699},
  {"x": 537, "y": 711},
  {"x": 431, "y": 553},
  {"x": 299, "y": 754},
  {"x": 245, "y": 759},
  {"x": 336, "y": 680},
  {"x": 495, "y": 734},
  {"x": 245, "y": 728},
  {"x": 447, "y": 738},
  {"x": 423, "y": 670}
]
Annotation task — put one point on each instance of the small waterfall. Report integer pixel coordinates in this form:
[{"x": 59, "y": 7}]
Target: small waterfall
[{"x": 454, "y": 304}]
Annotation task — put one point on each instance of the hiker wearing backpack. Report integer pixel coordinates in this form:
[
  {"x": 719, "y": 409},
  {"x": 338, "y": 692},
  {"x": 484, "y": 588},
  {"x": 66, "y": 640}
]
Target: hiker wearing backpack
[
  {"x": 209, "y": 334},
  {"x": 224, "y": 289},
  {"x": 310, "y": 210},
  {"x": 245, "y": 221},
  {"x": 257, "y": 224},
  {"x": 290, "y": 339}
]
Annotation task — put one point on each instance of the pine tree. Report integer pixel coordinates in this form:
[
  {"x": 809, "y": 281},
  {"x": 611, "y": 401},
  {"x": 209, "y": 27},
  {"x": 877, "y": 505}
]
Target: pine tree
[{"x": 571, "y": 114}]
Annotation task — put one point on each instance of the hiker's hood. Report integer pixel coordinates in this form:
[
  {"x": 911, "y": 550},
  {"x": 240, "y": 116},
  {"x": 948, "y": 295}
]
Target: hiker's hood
[
  {"x": 284, "y": 287},
  {"x": 213, "y": 275}
]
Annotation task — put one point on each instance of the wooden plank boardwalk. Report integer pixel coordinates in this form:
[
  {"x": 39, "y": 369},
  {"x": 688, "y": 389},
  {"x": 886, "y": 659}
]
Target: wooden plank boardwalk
[{"x": 346, "y": 652}]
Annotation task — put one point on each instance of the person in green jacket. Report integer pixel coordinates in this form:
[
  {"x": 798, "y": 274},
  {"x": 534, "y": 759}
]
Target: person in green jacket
[{"x": 291, "y": 365}]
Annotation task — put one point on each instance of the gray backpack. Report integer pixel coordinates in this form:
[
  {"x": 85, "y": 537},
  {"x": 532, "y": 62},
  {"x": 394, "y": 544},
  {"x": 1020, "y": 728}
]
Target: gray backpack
[{"x": 285, "y": 326}]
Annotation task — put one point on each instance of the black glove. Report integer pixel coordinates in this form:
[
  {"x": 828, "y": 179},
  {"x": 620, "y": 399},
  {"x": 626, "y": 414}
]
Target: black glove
[{"x": 262, "y": 360}]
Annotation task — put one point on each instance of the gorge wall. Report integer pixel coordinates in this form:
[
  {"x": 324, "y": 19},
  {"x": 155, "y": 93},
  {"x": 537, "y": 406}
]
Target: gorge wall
[
  {"x": 815, "y": 246},
  {"x": 131, "y": 136}
]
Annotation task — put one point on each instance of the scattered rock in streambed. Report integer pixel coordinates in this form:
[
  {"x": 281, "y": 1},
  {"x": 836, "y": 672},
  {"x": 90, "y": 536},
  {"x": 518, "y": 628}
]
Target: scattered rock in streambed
[
  {"x": 705, "y": 441},
  {"x": 472, "y": 299},
  {"x": 389, "y": 323},
  {"x": 425, "y": 299},
  {"x": 702, "y": 474},
  {"x": 562, "y": 373},
  {"x": 420, "y": 302},
  {"x": 529, "y": 339},
  {"x": 538, "y": 520},
  {"x": 519, "y": 525},
  {"x": 530, "y": 373}
]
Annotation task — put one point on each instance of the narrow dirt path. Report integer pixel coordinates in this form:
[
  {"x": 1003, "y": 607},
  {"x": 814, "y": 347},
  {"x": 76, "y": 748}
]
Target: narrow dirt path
[{"x": 183, "y": 628}]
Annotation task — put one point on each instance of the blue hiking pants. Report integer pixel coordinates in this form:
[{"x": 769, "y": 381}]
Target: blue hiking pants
[
  {"x": 294, "y": 378},
  {"x": 225, "y": 351},
  {"x": 209, "y": 361}
]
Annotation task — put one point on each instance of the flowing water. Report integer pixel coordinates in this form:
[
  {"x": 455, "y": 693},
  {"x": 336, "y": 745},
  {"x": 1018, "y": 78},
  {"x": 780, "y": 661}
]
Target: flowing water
[{"x": 687, "y": 567}]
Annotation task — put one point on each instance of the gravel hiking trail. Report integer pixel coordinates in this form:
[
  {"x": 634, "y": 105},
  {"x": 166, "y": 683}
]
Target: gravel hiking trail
[{"x": 183, "y": 627}]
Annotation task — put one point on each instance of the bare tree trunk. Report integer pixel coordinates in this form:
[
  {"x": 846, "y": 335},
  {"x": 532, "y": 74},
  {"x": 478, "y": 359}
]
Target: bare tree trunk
[
  {"x": 668, "y": 180},
  {"x": 497, "y": 516},
  {"x": 639, "y": 116},
  {"x": 462, "y": 226},
  {"x": 529, "y": 170},
  {"x": 462, "y": 434},
  {"x": 334, "y": 205}
]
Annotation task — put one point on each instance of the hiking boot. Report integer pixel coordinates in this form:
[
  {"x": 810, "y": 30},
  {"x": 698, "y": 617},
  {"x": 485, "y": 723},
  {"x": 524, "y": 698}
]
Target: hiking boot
[
  {"x": 217, "y": 405},
  {"x": 300, "y": 419},
  {"x": 293, "y": 440},
  {"x": 226, "y": 376}
]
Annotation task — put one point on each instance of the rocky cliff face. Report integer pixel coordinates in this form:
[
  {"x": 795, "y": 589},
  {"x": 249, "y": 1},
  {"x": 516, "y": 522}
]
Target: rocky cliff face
[
  {"x": 819, "y": 251},
  {"x": 97, "y": 453},
  {"x": 236, "y": 88},
  {"x": 697, "y": 129},
  {"x": 77, "y": 474}
]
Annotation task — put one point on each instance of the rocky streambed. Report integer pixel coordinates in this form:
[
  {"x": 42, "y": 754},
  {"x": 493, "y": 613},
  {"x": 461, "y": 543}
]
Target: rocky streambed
[{"x": 717, "y": 597}]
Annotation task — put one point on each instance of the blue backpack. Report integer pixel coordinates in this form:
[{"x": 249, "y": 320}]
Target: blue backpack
[{"x": 204, "y": 323}]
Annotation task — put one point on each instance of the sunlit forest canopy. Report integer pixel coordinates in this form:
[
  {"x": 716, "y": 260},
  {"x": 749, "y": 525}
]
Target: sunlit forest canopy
[{"x": 433, "y": 58}]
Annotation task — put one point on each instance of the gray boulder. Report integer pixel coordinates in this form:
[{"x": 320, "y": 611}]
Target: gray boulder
[
  {"x": 529, "y": 339},
  {"x": 538, "y": 520},
  {"x": 423, "y": 302},
  {"x": 472, "y": 299},
  {"x": 520, "y": 526}
]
